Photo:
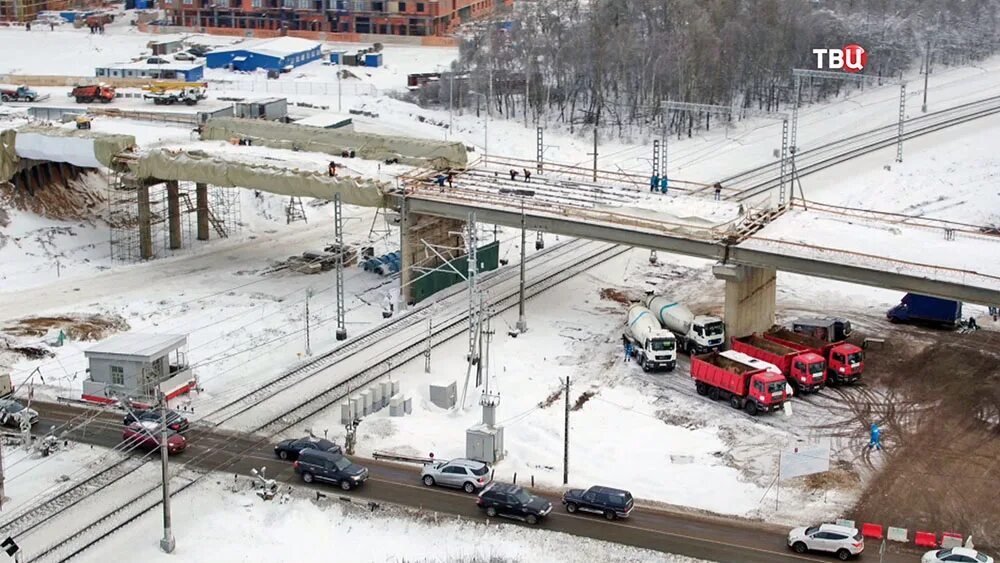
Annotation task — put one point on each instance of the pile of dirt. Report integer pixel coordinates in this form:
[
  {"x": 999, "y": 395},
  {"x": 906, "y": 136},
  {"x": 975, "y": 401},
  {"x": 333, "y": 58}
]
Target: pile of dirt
[
  {"x": 81, "y": 198},
  {"x": 582, "y": 400},
  {"x": 76, "y": 327},
  {"x": 942, "y": 456}
]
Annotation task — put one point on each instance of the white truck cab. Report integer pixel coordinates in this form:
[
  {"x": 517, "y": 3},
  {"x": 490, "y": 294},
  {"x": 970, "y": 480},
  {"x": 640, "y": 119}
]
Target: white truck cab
[
  {"x": 696, "y": 334},
  {"x": 652, "y": 346}
]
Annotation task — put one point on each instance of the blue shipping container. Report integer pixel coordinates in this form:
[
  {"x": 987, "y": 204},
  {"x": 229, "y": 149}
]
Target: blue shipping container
[{"x": 373, "y": 60}]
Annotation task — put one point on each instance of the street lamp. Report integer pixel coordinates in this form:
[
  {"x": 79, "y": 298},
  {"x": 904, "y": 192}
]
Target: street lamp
[{"x": 486, "y": 128}]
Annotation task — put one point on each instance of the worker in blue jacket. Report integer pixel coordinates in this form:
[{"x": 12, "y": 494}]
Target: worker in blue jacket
[
  {"x": 663, "y": 184},
  {"x": 628, "y": 351},
  {"x": 654, "y": 182}
]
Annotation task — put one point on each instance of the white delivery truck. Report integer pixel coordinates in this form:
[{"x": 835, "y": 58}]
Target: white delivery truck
[
  {"x": 652, "y": 346},
  {"x": 696, "y": 334}
]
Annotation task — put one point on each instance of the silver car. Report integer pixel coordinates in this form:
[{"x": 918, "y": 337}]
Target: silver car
[
  {"x": 956, "y": 554},
  {"x": 465, "y": 474}
]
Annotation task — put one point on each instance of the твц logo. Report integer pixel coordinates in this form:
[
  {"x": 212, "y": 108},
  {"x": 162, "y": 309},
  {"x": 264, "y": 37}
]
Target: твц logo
[{"x": 851, "y": 58}]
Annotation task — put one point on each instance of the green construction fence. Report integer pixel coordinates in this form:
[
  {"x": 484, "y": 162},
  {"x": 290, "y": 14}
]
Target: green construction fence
[{"x": 444, "y": 277}]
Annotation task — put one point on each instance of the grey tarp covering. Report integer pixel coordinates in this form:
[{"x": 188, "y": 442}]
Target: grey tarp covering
[
  {"x": 198, "y": 166},
  {"x": 371, "y": 146},
  {"x": 105, "y": 146}
]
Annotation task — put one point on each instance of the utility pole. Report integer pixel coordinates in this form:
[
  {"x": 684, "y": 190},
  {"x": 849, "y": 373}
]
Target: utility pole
[
  {"x": 1, "y": 477},
  {"x": 595, "y": 143},
  {"x": 340, "y": 106},
  {"x": 167, "y": 543},
  {"x": 927, "y": 72},
  {"x": 427, "y": 348},
  {"x": 451, "y": 98},
  {"x": 338, "y": 227},
  {"x": 522, "y": 324},
  {"x": 566, "y": 438},
  {"x": 308, "y": 295}
]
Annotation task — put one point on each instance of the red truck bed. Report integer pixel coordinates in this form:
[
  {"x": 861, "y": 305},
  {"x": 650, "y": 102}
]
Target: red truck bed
[
  {"x": 722, "y": 372},
  {"x": 767, "y": 350}
]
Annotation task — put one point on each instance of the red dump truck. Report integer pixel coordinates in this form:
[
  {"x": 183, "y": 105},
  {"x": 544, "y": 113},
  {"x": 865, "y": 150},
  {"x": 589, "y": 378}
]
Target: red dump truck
[
  {"x": 844, "y": 361},
  {"x": 745, "y": 387},
  {"x": 806, "y": 371}
]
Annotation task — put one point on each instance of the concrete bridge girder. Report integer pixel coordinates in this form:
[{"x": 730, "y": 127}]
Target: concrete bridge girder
[{"x": 871, "y": 275}]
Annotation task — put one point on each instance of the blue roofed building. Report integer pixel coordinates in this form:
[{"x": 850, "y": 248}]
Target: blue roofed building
[{"x": 268, "y": 54}]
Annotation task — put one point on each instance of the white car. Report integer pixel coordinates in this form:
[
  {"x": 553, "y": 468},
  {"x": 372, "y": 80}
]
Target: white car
[
  {"x": 843, "y": 541},
  {"x": 957, "y": 554},
  {"x": 466, "y": 474}
]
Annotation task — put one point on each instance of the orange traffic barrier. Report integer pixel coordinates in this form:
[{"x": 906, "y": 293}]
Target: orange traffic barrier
[
  {"x": 873, "y": 531},
  {"x": 926, "y": 539}
]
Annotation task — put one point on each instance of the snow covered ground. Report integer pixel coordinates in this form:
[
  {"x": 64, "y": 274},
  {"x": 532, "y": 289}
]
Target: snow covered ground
[
  {"x": 245, "y": 327},
  {"x": 211, "y": 514}
]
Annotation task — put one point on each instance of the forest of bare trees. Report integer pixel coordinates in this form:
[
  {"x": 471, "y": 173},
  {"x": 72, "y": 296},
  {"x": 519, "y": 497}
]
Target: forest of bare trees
[{"x": 569, "y": 62}]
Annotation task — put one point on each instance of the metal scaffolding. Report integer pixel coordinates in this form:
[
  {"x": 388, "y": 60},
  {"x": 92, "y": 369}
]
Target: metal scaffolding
[{"x": 224, "y": 216}]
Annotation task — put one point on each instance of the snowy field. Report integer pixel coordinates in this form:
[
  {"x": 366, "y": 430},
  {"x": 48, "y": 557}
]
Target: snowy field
[{"x": 213, "y": 514}]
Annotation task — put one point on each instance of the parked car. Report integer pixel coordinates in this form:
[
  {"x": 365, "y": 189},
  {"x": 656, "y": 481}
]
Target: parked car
[
  {"x": 329, "y": 467},
  {"x": 957, "y": 554},
  {"x": 198, "y": 50},
  {"x": 612, "y": 503},
  {"x": 465, "y": 474},
  {"x": 290, "y": 449},
  {"x": 12, "y": 412},
  {"x": 175, "y": 420},
  {"x": 146, "y": 435},
  {"x": 183, "y": 56},
  {"x": 843, "y": 541},
  {"x": 157, "y": 61},
  {"x": 511, "y": 501}
]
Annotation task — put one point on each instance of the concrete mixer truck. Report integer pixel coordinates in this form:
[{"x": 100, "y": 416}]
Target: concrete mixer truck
[
  {"x": 696, "y": 334},
  {"x": 652, "y": 346}
]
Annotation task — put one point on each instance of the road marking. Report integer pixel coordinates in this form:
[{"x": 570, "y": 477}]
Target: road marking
[{"x": 639, "y": 528}]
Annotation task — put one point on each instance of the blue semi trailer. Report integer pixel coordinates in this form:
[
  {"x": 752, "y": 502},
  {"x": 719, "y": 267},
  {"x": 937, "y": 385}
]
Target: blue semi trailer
[{"x": 915, "y": 308}]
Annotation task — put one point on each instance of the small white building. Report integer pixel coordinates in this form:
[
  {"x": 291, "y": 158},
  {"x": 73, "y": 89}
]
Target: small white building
[{"x": 136, "y": 366}]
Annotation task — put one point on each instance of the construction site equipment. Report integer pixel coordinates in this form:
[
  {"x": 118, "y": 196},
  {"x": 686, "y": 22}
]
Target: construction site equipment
[
  {"x": 696, "y": 334},
  {"x": 752, "y": 389},
  {"x": 844, "y": 361},
  {"x": 830, "y": 329},
  {"x": 167, "y": 93},
  {"x": 83, "y": 122},
  {"x": 21, "y": 94},
  {"x": 88, "y": 93},
  {"x": 806, "y": 371},
  {"x": 652, "y": 346}
]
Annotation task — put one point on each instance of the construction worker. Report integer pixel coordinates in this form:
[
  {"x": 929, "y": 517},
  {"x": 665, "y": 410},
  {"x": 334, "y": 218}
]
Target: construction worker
[
  {"x": 628, "y": 350},
  {"x": 876, "y": 438},
  {"x": 332, "y": 169},
  {"x": 451, "y": 178},
  {"x": 527, "y": 175},
  {"x": 654, "y": 182},
  {"x": 513, "y": 174},
  {"x": 718, "y": 191},
  {"x": 663, "y": 184}
]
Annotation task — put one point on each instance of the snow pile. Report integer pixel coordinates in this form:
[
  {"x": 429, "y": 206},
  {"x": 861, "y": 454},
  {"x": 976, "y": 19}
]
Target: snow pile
[{"x": 236, "y": 524}]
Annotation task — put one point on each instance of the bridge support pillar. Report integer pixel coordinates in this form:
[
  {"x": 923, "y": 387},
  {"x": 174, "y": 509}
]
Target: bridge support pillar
[
  {"x": 174, "y": 214},
  {"x": 750, "y": 298},
  {"x": 201, "y": 201},
  {"x": 416, "y": 229},
  {"x": 145, "y": 228}
]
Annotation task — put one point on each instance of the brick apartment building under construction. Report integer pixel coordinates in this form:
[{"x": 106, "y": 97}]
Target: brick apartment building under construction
[{"x": 385, "y": 17}]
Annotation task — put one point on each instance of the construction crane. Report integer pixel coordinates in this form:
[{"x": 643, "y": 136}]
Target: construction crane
[{"x": 167, "y": 93}]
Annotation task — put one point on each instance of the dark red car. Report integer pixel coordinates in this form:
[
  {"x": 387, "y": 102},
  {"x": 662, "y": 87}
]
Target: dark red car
[{"x": 146, "y": 435}]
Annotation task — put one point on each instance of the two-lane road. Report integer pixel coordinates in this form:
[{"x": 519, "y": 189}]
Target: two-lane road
[{"x": 705, "y": 537}]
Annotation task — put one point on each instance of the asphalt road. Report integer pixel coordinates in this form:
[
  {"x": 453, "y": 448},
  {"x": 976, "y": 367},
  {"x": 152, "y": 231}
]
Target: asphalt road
[{"x": 712, "y": 538}]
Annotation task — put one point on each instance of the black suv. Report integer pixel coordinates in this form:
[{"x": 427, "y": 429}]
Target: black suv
[
  {"x": 612, "y": 503},
  {"x": 315, "y": 465},
  {"x": 290, "y": 449},
  {"x": 513, "y": 502},
  {"x": 175, "y": 421}
]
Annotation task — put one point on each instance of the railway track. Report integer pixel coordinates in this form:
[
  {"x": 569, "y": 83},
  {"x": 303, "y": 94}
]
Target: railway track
[
  {"x": 580, "y": 255},
  {"x": 760, "y": 181},
  {"x": 413, "y": 316}
]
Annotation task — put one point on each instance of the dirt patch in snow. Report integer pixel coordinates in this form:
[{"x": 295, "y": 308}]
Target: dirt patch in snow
[
  {"x": 551, "y": 399},
  {"x": 941, "y": 456},
  {"x": 76, "y": 327},
  {"x": 582, "y": 400},
  {"x": 81, "y": 198},
  {"x": 611, "y": 294}
]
